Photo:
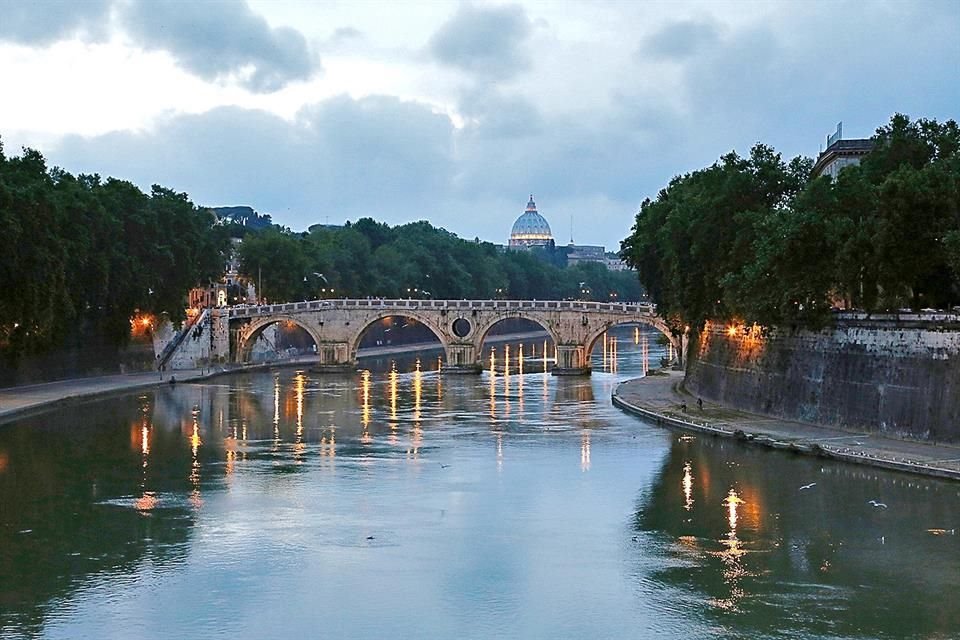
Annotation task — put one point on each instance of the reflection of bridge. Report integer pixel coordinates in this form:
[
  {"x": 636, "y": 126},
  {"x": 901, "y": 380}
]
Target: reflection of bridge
[{"x": 336, "y": 327}]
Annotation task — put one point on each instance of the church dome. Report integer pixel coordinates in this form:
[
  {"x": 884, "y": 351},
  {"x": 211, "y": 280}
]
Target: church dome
[{"x": 530, "y": 229}]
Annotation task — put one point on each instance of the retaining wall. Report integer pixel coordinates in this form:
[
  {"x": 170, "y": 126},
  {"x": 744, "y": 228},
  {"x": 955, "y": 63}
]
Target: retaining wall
[{"x": 899, "y": 375}]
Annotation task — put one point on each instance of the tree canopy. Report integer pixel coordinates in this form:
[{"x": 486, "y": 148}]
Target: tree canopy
[
  {"x": 79, "y": 255},
  {"x": 756, "y": 240},
  {"x": 417, "y": 260}
]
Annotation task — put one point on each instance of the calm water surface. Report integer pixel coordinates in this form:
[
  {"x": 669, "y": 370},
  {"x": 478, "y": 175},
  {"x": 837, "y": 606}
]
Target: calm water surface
[{"x": 411, "y": 505}]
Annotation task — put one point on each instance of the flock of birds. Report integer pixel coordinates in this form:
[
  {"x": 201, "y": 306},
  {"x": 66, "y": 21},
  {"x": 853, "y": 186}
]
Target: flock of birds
[{"x": 874, "y": 503}]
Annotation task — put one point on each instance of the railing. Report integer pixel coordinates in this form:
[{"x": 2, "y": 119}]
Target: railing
[{"x": 246, "y": 311}]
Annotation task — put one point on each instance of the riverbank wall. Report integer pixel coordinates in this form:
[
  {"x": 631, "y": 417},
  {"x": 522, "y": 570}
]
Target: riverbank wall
[{"x": 897, "y": 375}]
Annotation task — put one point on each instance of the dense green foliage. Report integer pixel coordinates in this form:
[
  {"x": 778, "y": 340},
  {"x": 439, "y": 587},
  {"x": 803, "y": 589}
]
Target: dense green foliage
[
  {"x": 755, "y": 240},
  {"x": 79, "y": 256},
  {"x": 417, "y": 260}
]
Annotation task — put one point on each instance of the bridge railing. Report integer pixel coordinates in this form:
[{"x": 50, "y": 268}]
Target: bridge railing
[{"x": 399, "y": 304}]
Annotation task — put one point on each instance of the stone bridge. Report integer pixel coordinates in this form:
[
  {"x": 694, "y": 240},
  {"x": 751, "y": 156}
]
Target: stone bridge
[{"x": 336, "y": 327}]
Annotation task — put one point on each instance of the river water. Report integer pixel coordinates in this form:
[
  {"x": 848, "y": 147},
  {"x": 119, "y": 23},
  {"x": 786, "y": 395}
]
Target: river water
[{"x": 407, "y": 504}]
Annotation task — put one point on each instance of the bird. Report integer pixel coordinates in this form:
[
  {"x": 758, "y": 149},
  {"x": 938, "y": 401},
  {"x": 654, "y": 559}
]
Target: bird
[
  {"x": 443, "y": 466},
  {"x": 808, "y": 486},
  {"x": 369, "y": 537},
  {"x": 878, "y": 505}
]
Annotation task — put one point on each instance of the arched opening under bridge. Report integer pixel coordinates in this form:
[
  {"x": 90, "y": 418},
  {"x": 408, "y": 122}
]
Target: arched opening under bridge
[
  {"x": 276, "y": 339},
  {"x": 399, "y": 341},
  {"x": 516, "y": 345},
  {"x": 636, "y": 345}
]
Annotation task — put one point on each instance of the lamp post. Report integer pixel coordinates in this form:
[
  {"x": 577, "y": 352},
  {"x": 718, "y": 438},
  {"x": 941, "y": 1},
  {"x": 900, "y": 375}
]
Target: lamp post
[{"x": 584, "y": 291}]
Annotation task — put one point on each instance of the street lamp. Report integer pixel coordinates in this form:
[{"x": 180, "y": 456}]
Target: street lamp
[{"x": 584, "y": 290}]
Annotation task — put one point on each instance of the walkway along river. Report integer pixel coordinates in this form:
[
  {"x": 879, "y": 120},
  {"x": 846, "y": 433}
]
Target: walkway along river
[{"x": 401, "y": 503}]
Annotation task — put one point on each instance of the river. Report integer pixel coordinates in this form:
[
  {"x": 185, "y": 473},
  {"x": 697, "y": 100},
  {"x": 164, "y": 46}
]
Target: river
[{"x": 402, "y": 503}]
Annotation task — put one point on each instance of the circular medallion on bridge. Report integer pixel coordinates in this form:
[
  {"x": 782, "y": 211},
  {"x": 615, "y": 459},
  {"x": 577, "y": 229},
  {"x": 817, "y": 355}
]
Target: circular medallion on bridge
[{"x": 461, "y": 327}]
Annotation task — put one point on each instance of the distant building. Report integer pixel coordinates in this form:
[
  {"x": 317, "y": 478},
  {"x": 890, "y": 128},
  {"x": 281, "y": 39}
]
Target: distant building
[
  {"x": 243, "y": 216},
  {"x": 530, "y": 230},
  {"x": 840, "y": 153},
  {"x": 616, "y": 263},
  {"x": 577, "y": 254},
  {"x": 231, "y": 289}
]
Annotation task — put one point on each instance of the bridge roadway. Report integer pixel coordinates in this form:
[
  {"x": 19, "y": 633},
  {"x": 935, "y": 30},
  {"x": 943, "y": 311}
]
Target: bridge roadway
[{"x": 336, "y": 327}]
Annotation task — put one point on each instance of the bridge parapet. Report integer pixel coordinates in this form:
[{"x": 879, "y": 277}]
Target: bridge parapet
[{"x": 244, "y": 311}]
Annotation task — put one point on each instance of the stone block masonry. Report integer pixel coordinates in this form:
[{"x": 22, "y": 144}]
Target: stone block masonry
[{"x": 898, "y": 375}]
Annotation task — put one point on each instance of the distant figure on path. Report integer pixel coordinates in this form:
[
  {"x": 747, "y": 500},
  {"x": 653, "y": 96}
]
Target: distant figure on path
[{"x": 700, "y": 404}]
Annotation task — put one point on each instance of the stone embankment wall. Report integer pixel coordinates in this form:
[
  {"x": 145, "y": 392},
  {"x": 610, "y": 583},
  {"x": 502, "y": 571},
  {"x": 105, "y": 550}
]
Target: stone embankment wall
[
  {"x": 207, "y": 337},
  {"x": 898, "y": 375}
]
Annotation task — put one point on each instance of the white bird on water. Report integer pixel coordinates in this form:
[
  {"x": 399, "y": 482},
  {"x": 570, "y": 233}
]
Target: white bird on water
[
  {"x": 808, "y": 486},
  {"x": 878, "y": 505}
]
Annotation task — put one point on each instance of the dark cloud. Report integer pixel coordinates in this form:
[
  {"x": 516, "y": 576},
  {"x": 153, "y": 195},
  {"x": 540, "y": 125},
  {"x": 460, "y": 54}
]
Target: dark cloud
[
  {"x": 216, "y": 40},
  {"x": 487, "y": 41},
  {"x": 497, "y": 115},
  {"x": 42, "y": 22},
  {"x": 679, "y": 40},
  {"x": 342, "y": 158},
  {"x": 787, "y": 90},
  {"x": 396, "y": 161}
]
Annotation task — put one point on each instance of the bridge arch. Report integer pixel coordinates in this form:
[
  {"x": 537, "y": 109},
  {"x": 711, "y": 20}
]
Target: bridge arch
[
  {"x": 425, "y": 319},
  {"x": 480, "y": 332},
  {"x": 250, "y": 332},
  {"x": 654, "y": 322}
]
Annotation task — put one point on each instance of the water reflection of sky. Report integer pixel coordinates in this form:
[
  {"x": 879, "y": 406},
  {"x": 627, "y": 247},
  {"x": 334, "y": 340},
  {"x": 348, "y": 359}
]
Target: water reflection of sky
[{"x": 405, "y": 503}]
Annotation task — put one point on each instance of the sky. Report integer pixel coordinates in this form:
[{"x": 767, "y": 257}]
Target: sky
[{"x": 455, "y": 112}]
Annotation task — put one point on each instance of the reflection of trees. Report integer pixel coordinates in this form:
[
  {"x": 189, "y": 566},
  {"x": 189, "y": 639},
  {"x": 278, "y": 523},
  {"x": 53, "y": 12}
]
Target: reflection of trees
[
  {"x": 809, "y": 561},
  {"x": 56, "y": 527}
]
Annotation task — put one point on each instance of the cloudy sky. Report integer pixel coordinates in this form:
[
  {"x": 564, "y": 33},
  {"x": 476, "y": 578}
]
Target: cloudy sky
[{"x": 455, "y": 112}]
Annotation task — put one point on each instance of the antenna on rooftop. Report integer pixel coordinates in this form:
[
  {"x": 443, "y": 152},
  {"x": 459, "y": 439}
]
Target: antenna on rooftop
[{"x": 571, "y": 228}]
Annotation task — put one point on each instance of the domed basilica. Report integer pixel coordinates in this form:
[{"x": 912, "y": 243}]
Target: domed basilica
[{"x": 531, "y": 229}]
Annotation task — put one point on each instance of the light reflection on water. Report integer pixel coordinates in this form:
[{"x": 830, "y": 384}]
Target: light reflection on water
[{"x": 402, "y": 503}]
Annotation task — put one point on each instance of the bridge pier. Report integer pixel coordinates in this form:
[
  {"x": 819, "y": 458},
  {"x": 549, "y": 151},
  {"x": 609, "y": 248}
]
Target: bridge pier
[
  {"x": 334, "y": 357},
  {"x": 462, "y": 358},
  {"x": 572, "y": 360}
]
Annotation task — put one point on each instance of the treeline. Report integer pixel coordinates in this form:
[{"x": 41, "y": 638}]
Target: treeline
[
  {"x": 757, "y": 240},
  {"x": 79, "y": 256},
  {"x": 416, "y": 260}
]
